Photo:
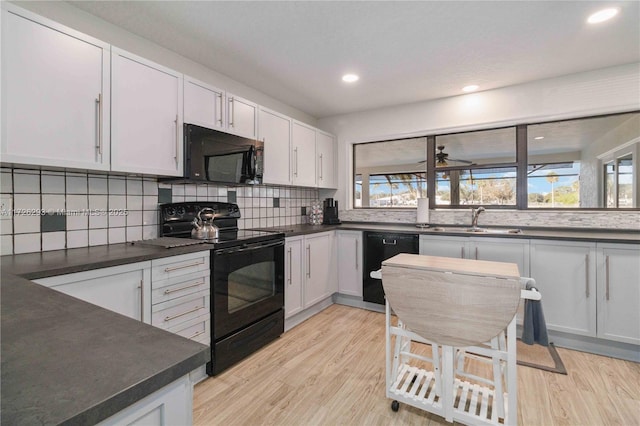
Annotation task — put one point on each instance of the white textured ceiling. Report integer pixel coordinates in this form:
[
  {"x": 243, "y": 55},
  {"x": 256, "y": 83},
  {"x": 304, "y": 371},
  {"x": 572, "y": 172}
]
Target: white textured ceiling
[{"x": 297, "y": 51}]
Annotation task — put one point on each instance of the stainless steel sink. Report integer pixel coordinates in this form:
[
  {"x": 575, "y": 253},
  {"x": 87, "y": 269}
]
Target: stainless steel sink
[{"x": 478, "y": 230}]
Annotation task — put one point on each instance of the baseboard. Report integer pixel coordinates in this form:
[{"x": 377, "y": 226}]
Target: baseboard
[
  {"x": 301, "y": 317},
  {"x": 356, "y": 302}
]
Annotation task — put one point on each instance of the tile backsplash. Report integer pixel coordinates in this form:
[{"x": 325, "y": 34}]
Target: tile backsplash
[
  {"x": 53, "y": 210},
  {"x": 621, "y": 220}
]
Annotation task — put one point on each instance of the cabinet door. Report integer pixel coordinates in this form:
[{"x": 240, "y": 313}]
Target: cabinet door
[
  {"x": 146, "y": 117},
  {"x": 123, "y": 289},
  {"x": 349, "y": 262},
  {"x": 619, "y": 292},
  {"x": 55, "y": 94},
  {"x": 501, "y": 250},
  {"x": 168, "y": 406},
  {"x": 565, "y": 274},
  {"x": 303, "y": 141},
  {"x": 293, "y": 276},
  {"x": 444, "y": 246},
  {"x": 275, "y": 132},
  {"x": 325, "y": 147},
  {"x": 318, "y": 285},
  {"x": 203, "y": 104},
  {"x": 242, "y": 116}
]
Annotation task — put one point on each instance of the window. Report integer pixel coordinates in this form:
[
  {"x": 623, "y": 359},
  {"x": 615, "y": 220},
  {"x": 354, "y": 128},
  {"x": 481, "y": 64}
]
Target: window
[
  {"x": 586, "y": 163},
  {"x": 469, "y": 187},
  {"x": 476, "y": 168},
  {"x": 390, "y": 174}
]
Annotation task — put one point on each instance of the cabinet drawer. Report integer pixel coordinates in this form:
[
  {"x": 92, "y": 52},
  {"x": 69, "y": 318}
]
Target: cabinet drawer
[
  {"x": 175, "y": 266},
  {"x": 170, "y": 289},
  {"x": 179, "y": 310},
  {"x": 197, "y": 329}
]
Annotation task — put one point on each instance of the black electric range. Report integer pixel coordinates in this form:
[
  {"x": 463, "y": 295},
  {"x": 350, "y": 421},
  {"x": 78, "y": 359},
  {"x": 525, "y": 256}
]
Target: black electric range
[
  {"x": 247, "y": 280},
  {"x": 176, "y": 220}
]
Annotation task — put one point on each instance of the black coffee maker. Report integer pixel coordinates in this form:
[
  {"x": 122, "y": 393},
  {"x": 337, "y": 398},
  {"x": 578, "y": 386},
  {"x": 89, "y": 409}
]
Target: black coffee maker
[{"x": 330, "y": 212}]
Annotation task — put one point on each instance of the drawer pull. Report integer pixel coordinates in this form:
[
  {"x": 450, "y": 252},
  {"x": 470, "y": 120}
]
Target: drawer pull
[
  {"x": 175, "y": 268},
  {"x": 173, "y": 290},
  {"x": 172, "y": 317},
  {"x": 194, "y": 335}
]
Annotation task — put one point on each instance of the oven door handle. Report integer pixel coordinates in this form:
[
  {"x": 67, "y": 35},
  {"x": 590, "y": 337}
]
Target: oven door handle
[{"x": 249, "y": 247}]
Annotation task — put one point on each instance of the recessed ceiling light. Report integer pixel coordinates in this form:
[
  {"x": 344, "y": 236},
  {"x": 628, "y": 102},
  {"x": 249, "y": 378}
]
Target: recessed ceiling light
[
  {"x": 350, "y": 78},
  {"x": 602, "y": 15},
  {"x": 470, "y": 88},
  {"x": 539, "y": 137}
]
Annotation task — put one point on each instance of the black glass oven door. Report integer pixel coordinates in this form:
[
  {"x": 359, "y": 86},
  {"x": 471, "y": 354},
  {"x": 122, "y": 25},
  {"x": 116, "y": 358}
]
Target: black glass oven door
[{"x": 248, "y": 285}]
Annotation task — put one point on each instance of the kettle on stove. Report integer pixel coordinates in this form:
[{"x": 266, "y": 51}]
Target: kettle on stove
[{"x": 203, "y": 226}]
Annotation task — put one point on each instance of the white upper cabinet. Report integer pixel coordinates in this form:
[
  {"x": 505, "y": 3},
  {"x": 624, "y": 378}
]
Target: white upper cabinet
[
  {"x": 203, "y": 104},
  {"x": 242, "y": 116},
  {"x": 303, "y": 161},
  {"x": 275, "y": 131},
  {"x": 326, "y": 151},
  {"x": 55, "y": 94},
  {"x": 146, "y": 118}
]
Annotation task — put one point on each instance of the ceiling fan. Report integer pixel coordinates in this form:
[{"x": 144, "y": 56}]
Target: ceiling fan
[{"x": 441, "y": 158}]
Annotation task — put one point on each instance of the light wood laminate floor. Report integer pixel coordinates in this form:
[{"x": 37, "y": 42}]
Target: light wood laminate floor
[{"x": 330, "y": 370}]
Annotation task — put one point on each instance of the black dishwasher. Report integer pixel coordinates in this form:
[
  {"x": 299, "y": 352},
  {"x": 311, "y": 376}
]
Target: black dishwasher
[{"x": 379, "y": 246}]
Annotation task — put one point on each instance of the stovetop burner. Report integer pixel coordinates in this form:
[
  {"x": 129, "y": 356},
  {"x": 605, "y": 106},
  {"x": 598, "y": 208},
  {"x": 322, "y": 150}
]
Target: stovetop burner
[{"x": 176, "y": 221}]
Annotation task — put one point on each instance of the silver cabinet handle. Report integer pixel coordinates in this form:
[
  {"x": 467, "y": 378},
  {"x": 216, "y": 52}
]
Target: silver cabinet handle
[
  {"x": 586, "y": 270},
  {"x": 173, "y": 290},
  {"x": 290, "y": 267},
  {"x": 99, "y": 138},
  {"x": 384, "y": 241},
  {"x": 141, "y": 300},
  {"x": 219, "y": 95},
  {"x": 177, "y": 139},
  {"x": 233, "y": 112},
  {"x": 606, "y": 264},
  {"x": 321, "y": 174},
  {"x": 175, "y": 268},
  {"x": 461, "y": 252},
  {"x": 356, "y": 254},
  {"x": 309, "y": 261},
  {"x": 295, "y": 157},
  {"x": 172, "y": 317},
  {"x": 194, "y": 335},
  {"x": 476, "y": 253}
]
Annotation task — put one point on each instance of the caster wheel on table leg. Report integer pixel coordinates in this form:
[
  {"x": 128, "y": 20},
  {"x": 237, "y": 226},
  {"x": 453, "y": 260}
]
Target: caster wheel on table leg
[{"x": 395, "y": 405}]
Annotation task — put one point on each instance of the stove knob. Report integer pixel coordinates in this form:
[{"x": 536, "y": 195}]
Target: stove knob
[
  {"x": 180, "y": 211},
  {"x": 169, "y": 211}
]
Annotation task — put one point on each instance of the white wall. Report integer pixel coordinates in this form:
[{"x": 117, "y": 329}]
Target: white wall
[
  {"x": 608, "y": 90},
  {"x": 79, "y": 20}
]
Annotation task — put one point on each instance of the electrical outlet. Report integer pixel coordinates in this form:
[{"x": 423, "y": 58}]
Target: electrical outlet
[{"x": 6, "y": 207}]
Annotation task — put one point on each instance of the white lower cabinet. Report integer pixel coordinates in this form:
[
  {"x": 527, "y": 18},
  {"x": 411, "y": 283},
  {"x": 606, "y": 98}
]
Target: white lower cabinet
[
  {"x": 479, "y": 248},
  {"x": 565, "y": 274},
  {"x": 171, "y": 405},
  {"x": 618, "y": 292},
  {"x": 310, "y": 271},
  {"x": 320, "y": 277},
  {"x": 180, "y": 295},
  {"x": 294, "y": 277},
  {"x": 124, "y": 289},
  {"x": 349, "y": 262}
]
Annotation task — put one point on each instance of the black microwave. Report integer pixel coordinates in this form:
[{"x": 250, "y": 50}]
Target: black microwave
[{"x": 214, "y": 156}]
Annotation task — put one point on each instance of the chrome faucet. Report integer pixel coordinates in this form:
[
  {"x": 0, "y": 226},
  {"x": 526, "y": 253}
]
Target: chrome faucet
[{"x": 475, "y": 213}]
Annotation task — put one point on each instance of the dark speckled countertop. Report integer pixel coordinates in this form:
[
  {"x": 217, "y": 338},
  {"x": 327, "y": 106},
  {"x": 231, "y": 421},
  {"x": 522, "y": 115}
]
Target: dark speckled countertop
[
  {"x": 59, "y": 262},
  {"x": 65, "y": 361},
  {"x": 595, "y": 235}
]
